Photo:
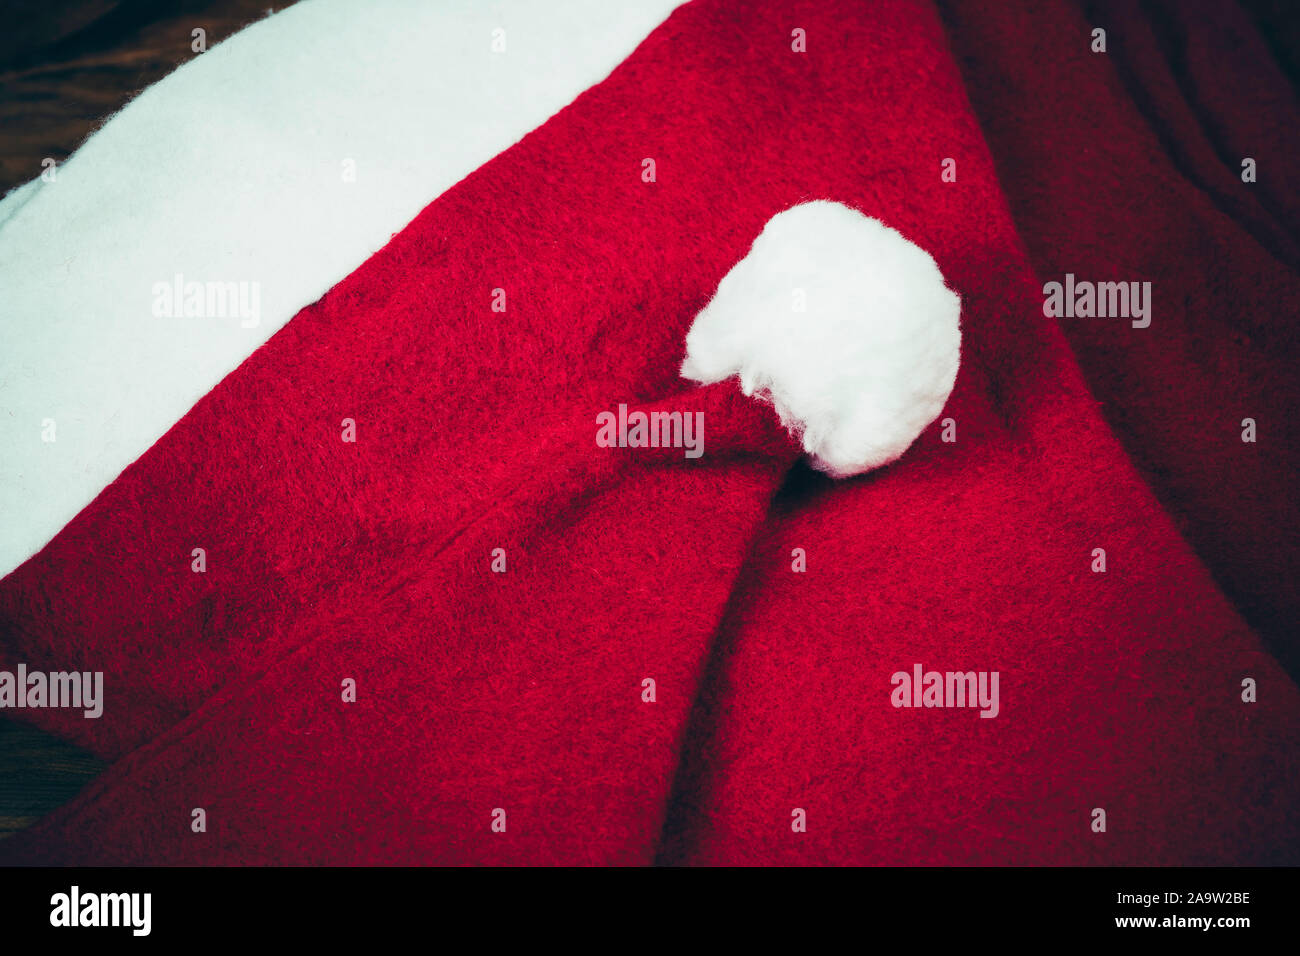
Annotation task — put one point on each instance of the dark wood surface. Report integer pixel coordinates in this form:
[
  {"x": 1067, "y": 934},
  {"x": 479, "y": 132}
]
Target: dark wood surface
[
  {"x": 65, "y": 67},
  {"x": 37, "y": 773}
]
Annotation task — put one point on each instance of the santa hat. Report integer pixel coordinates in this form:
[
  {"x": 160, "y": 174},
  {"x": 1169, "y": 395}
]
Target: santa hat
[{"x": 447, "y": 607}]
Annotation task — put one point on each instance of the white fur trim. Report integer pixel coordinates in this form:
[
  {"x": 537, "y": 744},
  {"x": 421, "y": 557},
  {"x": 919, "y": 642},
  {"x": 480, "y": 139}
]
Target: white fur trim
[
  {"x": 869, "y": 362},
  {"x": 231, "y": 169}
]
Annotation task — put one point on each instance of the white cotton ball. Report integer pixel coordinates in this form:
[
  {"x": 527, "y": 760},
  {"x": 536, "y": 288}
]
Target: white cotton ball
[{"x": 844, "y": 325}]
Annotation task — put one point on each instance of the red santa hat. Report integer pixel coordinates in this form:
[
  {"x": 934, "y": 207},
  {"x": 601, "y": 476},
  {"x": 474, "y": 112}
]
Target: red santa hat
[{"x": 439, "y": 620}]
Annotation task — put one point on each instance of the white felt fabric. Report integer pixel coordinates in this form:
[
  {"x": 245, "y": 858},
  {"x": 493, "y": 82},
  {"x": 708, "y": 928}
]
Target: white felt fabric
[
  {"x": 235, "y": 169},
  {"x": 844, "y": 325}
]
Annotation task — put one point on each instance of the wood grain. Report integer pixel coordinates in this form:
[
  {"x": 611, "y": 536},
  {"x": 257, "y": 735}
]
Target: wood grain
[
  {"x": 37, "y": 773},
  {"x": 67, "y": 67}
]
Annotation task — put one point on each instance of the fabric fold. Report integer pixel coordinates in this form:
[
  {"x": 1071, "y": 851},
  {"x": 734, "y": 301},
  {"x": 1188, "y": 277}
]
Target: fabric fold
[{"x": 499, "y": 585}]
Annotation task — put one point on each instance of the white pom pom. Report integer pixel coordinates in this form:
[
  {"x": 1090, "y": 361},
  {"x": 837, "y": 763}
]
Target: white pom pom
[{"x": 845, "y": 326}]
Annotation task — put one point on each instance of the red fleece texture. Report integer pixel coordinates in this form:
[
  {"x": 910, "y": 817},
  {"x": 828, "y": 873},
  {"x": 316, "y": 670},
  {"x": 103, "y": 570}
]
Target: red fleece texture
[
  {"x": 1128, "y": 165},
  {"x": 476, "y": 430}
]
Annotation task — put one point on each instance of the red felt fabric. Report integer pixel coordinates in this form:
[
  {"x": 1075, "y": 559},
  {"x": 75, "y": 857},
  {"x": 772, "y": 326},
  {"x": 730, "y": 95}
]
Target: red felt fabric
[
  {"x": 1129, "y": 165},
  {"x": 522, "y": 690}
]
